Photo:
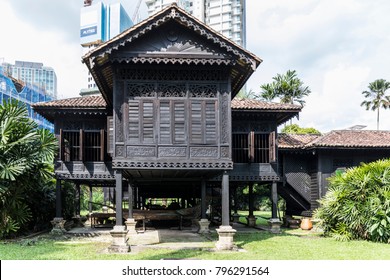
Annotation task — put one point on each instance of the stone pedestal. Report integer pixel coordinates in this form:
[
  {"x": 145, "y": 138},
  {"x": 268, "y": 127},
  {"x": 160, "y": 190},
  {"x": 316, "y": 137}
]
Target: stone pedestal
[
  {"x": 130, "y": 226},
  {"x": 225, "y": 241},
  {"x": 235, "y": 218},
  {"x": 131, "y": 232},
  {"x": 119, "y": 239},
  {"x": 274, "y": 225},
  {"x": 204, "y": 226},
  {"x": 251, "y": 221},
  {"x": 58, "y": 226}
]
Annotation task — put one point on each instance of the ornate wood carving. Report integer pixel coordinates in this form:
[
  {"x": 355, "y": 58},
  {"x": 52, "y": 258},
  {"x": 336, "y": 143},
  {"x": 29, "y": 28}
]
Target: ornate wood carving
[
  {"x": 225, "y": 165},
  {"x": 172, "y": 74},
  {"x": 172, "y": 151},
  {"x": 203, "y": 152},
  {"x": 141, "y": 151},
  {"x": 119, "y": 151},
  {"x": 119, "y": 137},
  {"x": 225, "y": 120},
  {"x": 225, "y": 152}
]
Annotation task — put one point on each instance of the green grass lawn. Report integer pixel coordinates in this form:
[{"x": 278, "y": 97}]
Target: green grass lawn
[{"x": 289, "y": 245}]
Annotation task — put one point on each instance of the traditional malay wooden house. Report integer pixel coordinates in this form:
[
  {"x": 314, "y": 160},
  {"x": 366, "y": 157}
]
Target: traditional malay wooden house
[
  {"x": 165, "y": 124},
  {"x": 308, "y": 160}
]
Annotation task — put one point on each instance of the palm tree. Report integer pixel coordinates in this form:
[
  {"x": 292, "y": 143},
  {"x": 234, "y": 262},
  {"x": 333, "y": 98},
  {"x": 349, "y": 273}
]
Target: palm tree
[
  {"x": 26, "y": 160},
  {"x": 376, "y": 97},
  {"x": 288, "y": 87}
]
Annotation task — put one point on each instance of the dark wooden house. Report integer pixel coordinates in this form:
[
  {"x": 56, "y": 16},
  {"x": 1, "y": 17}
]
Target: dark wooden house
[
  {"x": 308, "y": 160},
  {"x": 165, "y": 124}
]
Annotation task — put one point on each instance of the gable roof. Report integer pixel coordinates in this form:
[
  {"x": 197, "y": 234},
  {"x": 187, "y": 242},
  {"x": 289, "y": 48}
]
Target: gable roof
[
  {"x": 344, "y": 139},
  {"x": 354, "y": 139},
  {"x": 295, "y": 141},
  {"x": 99, "y": 59},
  {"x": 276, "y": 111}
]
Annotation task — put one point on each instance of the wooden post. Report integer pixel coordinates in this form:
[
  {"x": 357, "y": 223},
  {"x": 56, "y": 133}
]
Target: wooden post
[
  {"x": 118, "y": 197},
  {"x": 90, "y": 199},
  {"x": 130, "y": 201},
  {"x": 203, "y": 199},
  {"x": 58, "y": 199},
  {"x": 250, "y": 200},
  {"x": 225, "y": 199},
  {"x": 77, "y": 200},
  {"x": 274, "y": 198}
]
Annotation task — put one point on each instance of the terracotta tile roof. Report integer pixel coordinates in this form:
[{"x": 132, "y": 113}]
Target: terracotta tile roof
[
  {"x": 253, "y": 104},
  {"x": 97, "y": 101},
  {"x": 294, "y": 141},
  {"x": 354, "y": 139},
  {"x": 336, "y": 139},
  {"x": 91, "y": 101}
]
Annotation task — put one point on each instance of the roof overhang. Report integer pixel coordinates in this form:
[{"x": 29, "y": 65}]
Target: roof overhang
[{"x": 100, "y": 60}]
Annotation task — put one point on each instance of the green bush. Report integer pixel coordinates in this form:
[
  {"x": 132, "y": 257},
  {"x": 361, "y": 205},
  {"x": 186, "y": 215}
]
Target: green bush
[{"x": 357, "y": 204}]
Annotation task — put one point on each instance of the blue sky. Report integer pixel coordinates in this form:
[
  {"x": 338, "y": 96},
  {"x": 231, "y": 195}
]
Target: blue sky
[{"x": 336, "y": 47}]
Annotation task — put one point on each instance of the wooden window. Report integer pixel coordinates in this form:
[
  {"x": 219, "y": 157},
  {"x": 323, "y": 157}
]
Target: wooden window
[
  {"x": 254, "y": 147},
  {"x": 196, "y": 122},
  {"x": 134, "y": 121},
  {"x": 179, "y": 125},
  {"x": 240, "y": 147},
  {"x": 71, "y": 145},
  {"x": 211, "y": 122},
  {"x": 165, "y": 122},
  {"x": 92, "y": 145},
  {"x": 203, "y": 122},
  {"x": 261, "y": 148},
  {"x": 147, "y": 122}
]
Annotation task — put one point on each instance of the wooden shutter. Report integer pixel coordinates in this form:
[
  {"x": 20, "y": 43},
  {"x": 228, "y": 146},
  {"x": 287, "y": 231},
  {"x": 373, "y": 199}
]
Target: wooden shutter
[
  {"x": 179, "y": 122},
  {"x": 211, "y": 122},
  {"x": 165, "y": 122},
  {"x": 272, "y": 146},
  {"x": 134, "y": 121},
  {"x": 196, "y": 122},
  {"x": 110, "y": 132},
  {"x": 148, "y": 122}
]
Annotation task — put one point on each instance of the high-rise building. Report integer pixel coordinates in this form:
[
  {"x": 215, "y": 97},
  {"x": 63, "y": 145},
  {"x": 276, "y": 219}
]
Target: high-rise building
[
  {"x": 100, "y": 22},
  {"x": 34, "y": 73},
  {"x": 224, "y": 16},
  {"x": 25, "y": 93}
]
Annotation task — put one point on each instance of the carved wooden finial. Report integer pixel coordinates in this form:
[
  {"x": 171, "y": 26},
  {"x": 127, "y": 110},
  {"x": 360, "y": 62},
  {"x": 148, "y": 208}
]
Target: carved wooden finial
[{"x": 173, "y": 12}]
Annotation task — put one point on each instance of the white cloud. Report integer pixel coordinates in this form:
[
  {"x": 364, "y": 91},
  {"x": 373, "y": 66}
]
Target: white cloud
[
  {"x": 337, "y": 48},
  {"x": 23, "y": 41}
]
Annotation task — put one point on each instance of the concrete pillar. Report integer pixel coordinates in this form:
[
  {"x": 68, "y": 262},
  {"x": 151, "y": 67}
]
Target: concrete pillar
[{"x": 225, "y": 231}]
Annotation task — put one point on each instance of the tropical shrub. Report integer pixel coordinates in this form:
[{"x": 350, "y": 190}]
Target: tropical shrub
[
  {"x": 357, "y": 204},
  {"x": 26, "y": 168}
]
